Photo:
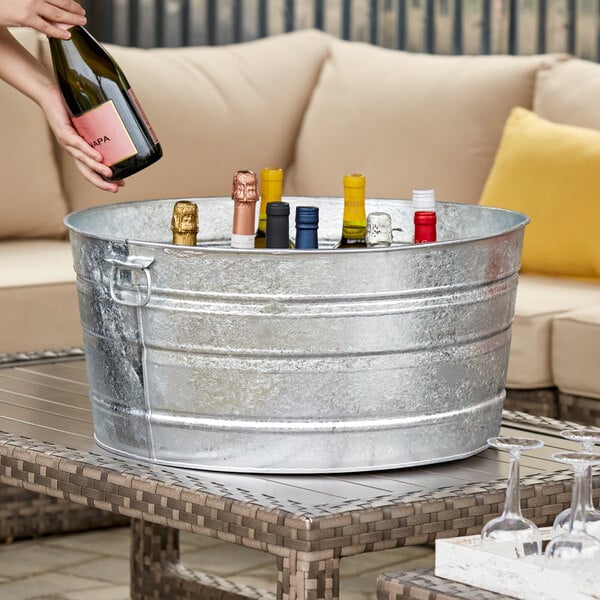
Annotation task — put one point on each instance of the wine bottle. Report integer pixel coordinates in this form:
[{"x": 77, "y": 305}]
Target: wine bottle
[
  {"x": 425, "y": 226},
  {"x": 307, "y": 225},
  {"x": 245, "y": 196},
  {"x": 271, "y": 184},
  {"x": 424, "y": 217},
  {"x": 104, "y": 109},
  {"x": 278, "y": 225},
  {"x": 379, "y": 230},
  {"x": 184, "y": 223},
  {"x": 354, "y": 226}
]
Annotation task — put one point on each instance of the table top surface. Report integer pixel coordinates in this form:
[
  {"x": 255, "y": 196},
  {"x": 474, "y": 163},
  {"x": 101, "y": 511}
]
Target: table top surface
[{"x": 47, "y": 402}]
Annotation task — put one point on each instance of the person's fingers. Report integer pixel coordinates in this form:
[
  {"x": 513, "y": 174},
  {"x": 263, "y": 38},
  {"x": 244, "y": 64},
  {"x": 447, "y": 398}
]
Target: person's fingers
[
  {"x": 69, "y": 139},
  {"x": 54, "y": 17},
  {"x": 91, "y": 163},
  {"x": 94, "y": 178},
  {"x": 68, "y": 5},
  {"x": 48, "y": 29},
  {"x": 87, "y": 160},
  {"x": 72, "y": 139},
  {"x": 82, "y": 152},
  {"x": 54, "y": 14}
]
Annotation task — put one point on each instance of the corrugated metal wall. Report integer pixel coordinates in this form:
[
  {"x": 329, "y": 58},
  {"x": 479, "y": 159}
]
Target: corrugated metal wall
[{"x": 437, "y": 26}]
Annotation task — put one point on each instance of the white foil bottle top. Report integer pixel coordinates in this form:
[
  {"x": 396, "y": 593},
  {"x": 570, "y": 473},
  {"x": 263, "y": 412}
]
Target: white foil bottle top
[
  {"x": 379, "y": 229},
  {"x": 423, "y": 199}
]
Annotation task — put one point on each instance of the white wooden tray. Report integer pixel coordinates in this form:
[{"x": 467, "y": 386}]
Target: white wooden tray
[{"x": 462, "y": 559}]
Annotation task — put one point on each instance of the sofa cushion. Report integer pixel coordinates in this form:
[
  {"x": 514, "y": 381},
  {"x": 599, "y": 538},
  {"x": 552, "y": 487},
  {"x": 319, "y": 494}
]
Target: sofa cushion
[
  {"x": 576, "y": 351},
  {"x": 38, "y": 284},
  {"x": 550, "y": 172},
  {"x": 214, "y": 110},
  {"x": 408, "y": 121},
  {"x": 32, "y": 262},
  {"x": 31, "y": 198},
  {"x": 564, "y": 90},
  {"x": 540, "y": 299}
]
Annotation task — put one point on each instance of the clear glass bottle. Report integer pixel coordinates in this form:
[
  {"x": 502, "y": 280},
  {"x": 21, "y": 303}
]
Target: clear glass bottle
[
  {"x": 271, "y": 189},
  {"x": 354, "y": 226},
  {"x": 104, "y": 109}
]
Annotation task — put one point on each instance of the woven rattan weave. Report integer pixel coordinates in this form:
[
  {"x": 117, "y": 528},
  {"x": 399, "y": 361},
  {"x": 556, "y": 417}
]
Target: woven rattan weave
[{"x": 422, "y": 584}]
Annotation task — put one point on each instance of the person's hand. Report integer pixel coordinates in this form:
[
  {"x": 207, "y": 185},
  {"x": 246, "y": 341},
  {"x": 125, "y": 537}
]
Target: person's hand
[
  {"x": 87, "y": 160},
  {"x": 43, "y": 15}
]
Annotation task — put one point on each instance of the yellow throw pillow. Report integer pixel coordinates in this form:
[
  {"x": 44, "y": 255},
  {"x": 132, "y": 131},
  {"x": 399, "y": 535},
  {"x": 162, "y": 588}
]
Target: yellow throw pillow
[{"x": 551, "y": 172}]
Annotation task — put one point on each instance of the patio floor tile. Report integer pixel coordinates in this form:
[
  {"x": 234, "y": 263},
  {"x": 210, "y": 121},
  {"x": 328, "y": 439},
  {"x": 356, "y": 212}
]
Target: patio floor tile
[{"x": 94, "y": 565}]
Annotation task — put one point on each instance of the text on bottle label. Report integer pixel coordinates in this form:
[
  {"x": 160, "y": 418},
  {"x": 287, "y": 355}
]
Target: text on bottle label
[{"x": 103, "y": 129}]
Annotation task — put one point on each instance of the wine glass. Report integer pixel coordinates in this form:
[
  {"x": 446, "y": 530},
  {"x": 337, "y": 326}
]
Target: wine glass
[
  {"x": 587, "y": 438},
  {"x": 576, "y": 550},
  {"x": 511, "y": 534}
]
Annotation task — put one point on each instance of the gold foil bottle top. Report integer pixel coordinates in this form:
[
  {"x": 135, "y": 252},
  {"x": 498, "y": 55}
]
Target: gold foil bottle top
[
  {"x": 245, "y": 187},
  {"x": 184, "y": 223}
]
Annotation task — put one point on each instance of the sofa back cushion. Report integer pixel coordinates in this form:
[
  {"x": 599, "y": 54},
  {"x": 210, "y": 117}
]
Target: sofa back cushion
[
  {"x": 408, "y": 120},
  {"x": 567, "y": 93},
  {"x": 31, "y": 198},
  {"x": 214, "y": 110}
]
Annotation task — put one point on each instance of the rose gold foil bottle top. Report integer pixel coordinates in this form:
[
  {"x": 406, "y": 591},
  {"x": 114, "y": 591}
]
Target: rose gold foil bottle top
[
  {"x": 245, "y": 197},
  {"x": 184, "y": 223}
]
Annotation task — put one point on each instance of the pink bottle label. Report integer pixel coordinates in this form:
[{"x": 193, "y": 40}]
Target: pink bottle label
[
  {"x": 103, "y": 129},
  {"x": 142, "y": 115}
]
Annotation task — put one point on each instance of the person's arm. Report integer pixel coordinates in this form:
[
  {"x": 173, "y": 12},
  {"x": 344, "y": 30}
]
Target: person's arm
[{"x": 23, "y": 72}]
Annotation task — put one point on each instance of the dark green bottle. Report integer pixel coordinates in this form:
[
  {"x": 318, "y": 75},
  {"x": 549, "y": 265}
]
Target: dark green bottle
[{"x": 104, "y": 110}]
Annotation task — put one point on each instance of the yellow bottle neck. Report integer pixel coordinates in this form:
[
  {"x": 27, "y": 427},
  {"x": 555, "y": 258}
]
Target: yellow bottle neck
[
  {"x": 355, "y": 216},
  {"x": 271, "y": 190}
]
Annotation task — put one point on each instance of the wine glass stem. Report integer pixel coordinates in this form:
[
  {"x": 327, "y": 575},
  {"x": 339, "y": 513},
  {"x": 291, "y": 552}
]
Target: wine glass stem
[
  {"x": 512, "y": 504},
  {"x": 577, "y": 521},
  {"x": 590, "y": 486}
]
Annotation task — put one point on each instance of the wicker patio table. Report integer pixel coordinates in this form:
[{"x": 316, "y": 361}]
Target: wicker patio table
[
  {"x": 307, "y": 523},
  {"x": 422, "y": 584}
]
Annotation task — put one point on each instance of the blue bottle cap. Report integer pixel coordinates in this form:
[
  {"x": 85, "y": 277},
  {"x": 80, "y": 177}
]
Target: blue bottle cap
[{"x": 307, "y": 216}]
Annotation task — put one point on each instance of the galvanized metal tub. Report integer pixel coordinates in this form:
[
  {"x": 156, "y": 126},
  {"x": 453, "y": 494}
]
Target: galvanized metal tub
[{"x": 295, "y": 361}]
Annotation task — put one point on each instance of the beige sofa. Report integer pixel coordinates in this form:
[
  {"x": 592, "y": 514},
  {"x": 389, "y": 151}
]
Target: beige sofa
[{"x": 318, "y": 107}]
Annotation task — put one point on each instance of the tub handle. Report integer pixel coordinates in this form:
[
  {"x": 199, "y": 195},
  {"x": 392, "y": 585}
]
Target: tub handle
[{"x": 131, "y": 263}]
